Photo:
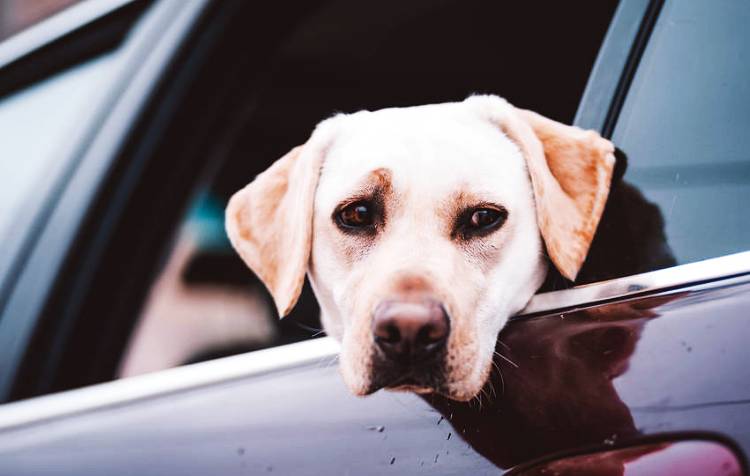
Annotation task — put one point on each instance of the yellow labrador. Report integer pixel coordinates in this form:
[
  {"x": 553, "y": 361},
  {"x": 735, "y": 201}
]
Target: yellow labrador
[{"x": 422, "y": 230}]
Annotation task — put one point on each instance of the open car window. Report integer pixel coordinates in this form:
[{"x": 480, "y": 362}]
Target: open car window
[{"x": 345, "y": 57}]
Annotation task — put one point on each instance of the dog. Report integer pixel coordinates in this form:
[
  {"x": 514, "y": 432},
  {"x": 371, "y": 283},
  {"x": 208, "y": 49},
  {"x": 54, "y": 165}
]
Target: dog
[{"x": 422, "y": 230}]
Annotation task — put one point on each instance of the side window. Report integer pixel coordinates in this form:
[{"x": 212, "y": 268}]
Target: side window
[
  {"x": 205, "y": 303},
  {"x": 684, "y": 127}
]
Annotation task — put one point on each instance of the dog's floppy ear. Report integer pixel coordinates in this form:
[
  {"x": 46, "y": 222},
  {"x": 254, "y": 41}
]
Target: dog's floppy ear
[
  {"x": 269, "y": 223},
  {"x": 571, "y": 170}
]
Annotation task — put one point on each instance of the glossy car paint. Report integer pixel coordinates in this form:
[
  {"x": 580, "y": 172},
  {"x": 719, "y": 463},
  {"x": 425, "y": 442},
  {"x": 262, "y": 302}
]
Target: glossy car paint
[
  {"x": 691, "y": 457},
  {"x": 666, "y": 362}
]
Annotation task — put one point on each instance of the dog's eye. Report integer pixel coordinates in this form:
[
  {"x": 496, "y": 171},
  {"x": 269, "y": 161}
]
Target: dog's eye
[
  {"x": 356, "y": 215},
  {"x": 484, "y": 217},
  {"x": 480, "y": 221}
]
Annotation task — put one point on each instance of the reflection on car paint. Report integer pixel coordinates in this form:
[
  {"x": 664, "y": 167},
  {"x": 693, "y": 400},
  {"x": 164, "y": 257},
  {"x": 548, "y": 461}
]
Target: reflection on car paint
[{"x": 551, "y": 386}]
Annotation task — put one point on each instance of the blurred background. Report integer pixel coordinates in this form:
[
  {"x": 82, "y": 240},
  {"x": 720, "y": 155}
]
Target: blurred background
[{"x": 15, "y": 15}]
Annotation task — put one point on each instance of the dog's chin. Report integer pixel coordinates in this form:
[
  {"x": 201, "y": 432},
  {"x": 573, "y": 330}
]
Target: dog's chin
[
  {"x": 469, "y": 387},
  {"x": 461, "y": 393}
]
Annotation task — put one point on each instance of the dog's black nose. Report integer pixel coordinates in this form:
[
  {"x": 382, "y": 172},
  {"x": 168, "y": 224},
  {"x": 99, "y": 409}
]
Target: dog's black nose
[{"x": 408, "y": 331}]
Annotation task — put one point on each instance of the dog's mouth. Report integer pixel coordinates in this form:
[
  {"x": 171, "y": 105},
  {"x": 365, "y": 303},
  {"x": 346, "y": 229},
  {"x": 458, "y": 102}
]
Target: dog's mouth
[
  {"x": 422, "y": 379},
  {"x": 408, "y": 385},
  {"x": 413, "y": 388}
]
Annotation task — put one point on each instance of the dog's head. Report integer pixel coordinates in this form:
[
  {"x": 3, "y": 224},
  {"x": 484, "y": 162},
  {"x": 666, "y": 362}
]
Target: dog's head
[{"x": 421, "y": 231}]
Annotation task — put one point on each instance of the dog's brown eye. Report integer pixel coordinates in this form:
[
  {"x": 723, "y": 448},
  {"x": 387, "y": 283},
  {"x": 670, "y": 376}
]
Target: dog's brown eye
[
  {"x": 479, "y": 221},
  {"x": 356, "y": 215},
  {"x": 484, "y": 217}
]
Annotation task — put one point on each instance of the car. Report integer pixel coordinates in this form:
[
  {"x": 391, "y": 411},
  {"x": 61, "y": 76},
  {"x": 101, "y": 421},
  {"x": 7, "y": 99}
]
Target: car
[{"x": 133, "y": 341}]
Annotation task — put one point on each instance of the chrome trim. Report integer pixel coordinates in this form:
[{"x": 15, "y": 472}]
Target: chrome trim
[
  {"x": 97, "y": 397},
  {"x": 323, "y": 351},
  {"x": 56, "y": 26},
  {"x": 681, "y": 275}
]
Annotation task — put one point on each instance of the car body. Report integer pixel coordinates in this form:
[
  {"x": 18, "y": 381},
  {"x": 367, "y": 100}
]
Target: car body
[{"x": 649, "y": 343}]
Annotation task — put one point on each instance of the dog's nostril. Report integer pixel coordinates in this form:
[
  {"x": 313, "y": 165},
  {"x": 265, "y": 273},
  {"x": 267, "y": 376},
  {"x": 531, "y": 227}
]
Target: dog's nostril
[
  {"x": 388, "y": 334},
  {"x": 431, "y": 333}
]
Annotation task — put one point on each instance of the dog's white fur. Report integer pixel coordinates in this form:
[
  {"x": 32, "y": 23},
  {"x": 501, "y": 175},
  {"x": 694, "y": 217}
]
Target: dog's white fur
[{"x": 434, "y": 160}]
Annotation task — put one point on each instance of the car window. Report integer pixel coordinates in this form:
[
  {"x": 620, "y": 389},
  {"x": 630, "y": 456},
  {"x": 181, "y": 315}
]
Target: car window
[
  {"x": 684, "y": 128},
  {"x": 205, "y": 302}
]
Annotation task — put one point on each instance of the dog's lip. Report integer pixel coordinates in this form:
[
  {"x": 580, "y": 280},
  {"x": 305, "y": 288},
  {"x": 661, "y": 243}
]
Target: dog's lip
[
  {"x": 412, "y": 388},
  {"x": 418, "y": 377},
  {"x": 409, "y": 381}
]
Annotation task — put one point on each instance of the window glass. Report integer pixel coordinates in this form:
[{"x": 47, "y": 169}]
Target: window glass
[
  {"x": 685, "y": 127},
  {"x": 37, "y": 130}
]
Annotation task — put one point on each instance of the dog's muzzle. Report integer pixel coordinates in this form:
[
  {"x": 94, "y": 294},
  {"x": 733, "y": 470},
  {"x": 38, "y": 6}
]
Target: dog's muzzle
[{"x": 410, "y": 338}]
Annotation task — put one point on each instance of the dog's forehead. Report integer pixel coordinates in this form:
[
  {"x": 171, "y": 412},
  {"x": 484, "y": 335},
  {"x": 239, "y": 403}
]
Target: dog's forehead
[{"x": 428, "y": 150}]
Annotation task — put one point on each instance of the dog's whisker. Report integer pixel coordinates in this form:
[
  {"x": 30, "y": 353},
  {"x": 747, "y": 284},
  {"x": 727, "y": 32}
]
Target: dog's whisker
[
  {"x": 495, "y": 366},
  {"x": 492, "y": 387},
  {"x": 479, "y": 399},
  {"x": 507, "y": 347},
  {"x": 315, "y": 330},
  {"x": 506, "y": 359},
  {"x": 502, "y": 380}
]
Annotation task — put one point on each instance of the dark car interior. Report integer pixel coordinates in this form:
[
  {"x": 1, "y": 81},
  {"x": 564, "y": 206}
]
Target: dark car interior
[
  {"x": 344, "y": 58},
  {"x": 246, "y": 89}
]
